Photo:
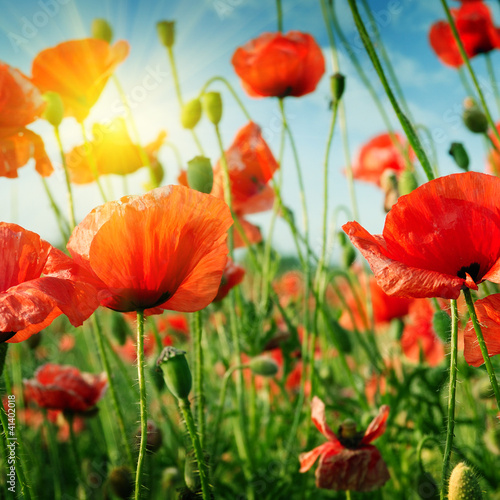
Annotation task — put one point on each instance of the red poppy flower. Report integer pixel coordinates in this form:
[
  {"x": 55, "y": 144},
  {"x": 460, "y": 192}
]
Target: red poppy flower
[
  {"x": 381, "y": 154},
  {"x": 443, "y": 236},
  {"x": 113, "y": 152},
  {"x": 163, "y": 250},
  {"x": 277, "y": 65},
  {"x": 29, "y": 301},
  {"x": 475, "y": 28},
  {"x": 61, "y": 387},
  {"x": 488, "y": 315},
  {"x": 78, "y": 70},
  {"x": 233, "y": 275},
  {"x": 347, "y": 460},
  {"x": 419, "y": 338},
  {"x": 21, "y": 103}
]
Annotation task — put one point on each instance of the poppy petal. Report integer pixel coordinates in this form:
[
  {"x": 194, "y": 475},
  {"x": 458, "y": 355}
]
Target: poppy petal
[
  {"x": 377, "y": 425},
  {"x": 307, "y": 459},
  {"x": 319, "y": 419}
]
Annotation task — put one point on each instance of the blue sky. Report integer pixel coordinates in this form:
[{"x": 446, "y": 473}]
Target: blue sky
[{"x": 208, "y": 32}]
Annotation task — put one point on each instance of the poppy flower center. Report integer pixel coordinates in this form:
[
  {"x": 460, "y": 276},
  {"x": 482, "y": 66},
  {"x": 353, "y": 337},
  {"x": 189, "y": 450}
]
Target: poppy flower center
[
  {"x": 472, "y": 270},
  {"x": 349, "y": 438},
  {"x": 4, "y": 336}
]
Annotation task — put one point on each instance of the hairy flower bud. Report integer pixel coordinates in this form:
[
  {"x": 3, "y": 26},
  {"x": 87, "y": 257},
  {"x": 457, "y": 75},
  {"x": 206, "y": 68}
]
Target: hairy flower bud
[
  {"x": 176, "y": 372},
  {"x": 191, "y": 114},
  {"x": 464, "y": 484},
  {"x": 264, "y": 365}
]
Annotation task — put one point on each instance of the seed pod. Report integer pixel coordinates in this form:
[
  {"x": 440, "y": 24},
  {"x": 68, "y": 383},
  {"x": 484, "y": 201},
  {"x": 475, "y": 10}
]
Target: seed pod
[
  {"x": 102, "y": 30},
  {"x": 200, "y": 175},
  {"x": 212, "y": 106},
  {"x": 191, "y": 114},
  {"x": 166, "y": 32}
]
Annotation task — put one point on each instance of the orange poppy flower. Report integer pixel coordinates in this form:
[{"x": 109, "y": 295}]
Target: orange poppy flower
[
  {"x": 21, "y": 103},
  {"x": 475, "y": 28},
  {"x": 381, "y": 154},
  {"x": 443, "y": 236},
  {"x": 113, "y": 152},
  {"x": 62, "y": 387},
  {"x": 419, "y": 338},
  {"x": 78, "y": 71},
  {"x": 29, "y": 301},
  {"x": 347, "y": 460},
  {"x": 278, "y": 65},
  {"x": 163, "y": 250}
]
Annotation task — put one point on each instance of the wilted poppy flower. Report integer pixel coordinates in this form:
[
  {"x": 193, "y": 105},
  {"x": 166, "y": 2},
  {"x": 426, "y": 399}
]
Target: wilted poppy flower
[
  {"x": 419, "y": 339},
  {"x": 347, "y": 460},
  {"x": 62, "y": 387},
  {"x": 440, "y": 238},
  {"x": 278, "y": 65},
  {"x": 488, "y": 315},
  {"x": 21, "y": 103},
  {"x": 475, "y": 28},
  {"x": 233, "y": 275},
  {"x": 380, "y": 154},
  {"x": 78, "y": 70},
  {"x": 113, "y": 152},
  {"x": 29, "y": 301},
  {"x": 165, "y": 249}
]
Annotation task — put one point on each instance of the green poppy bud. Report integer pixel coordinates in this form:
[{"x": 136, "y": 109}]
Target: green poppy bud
[
  {"x": 348, "y": 256},
  {"x": 474, "y": 119},
  {"x": 264, "y": 365},
  {"x": 342, "y": 238},
  {"x": 459, "y": 154},
  {"x": 337, "y": 84},
  {"x": 407, "y": 182},
  {"x": 200, "y": 175},
  {"x": 166, "y": 32},
  {"x": 441, "y": 322},
  {"x": 154, "y": 437},
  {"x": 102, "y": 30},
  {"x": 212, "y": 106},
  {"x": 54, "y": 110},
  {"x": 169, "y": 478},
  {"x": 176, "y": 372},
  {"x": 464, "y": 484},
  {"x": 121, "y": 481},
  {"x": 119, "y": 327},
  {"x": 191, "y": 114},
  {"x": 191, "y": 474}
]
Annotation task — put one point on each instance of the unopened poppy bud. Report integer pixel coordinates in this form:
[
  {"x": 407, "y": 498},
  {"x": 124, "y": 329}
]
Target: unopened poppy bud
[
  {"x": 464, "y": 484},
  {"x": 176, "y": 372},
  {"x": 459, "y": 154},
  {"x": 212, "y": 106},
  {"x": 342, "y": 238},
  {"x": 348, "y": 256},
  {"x": 337, "y": 83},
  {"x": 200, "y": 175},
  {"x": 121, "y": 481},
  {"x": 348, "y": 428},
  {"x": 154, "y": 437},
  {"x": 102, "y": 30},
  {"x": 191, "y": 473},
  {"x": 474, "y": 119},
  {"x": 407, "y": 182},
  {"x": 119, "y": 327},
  {"x": 169, "y": 478},
  {"x": 441, "y": 322},
  {"x": 191, "y": 114},
  {"x": 166, "y": 32},
  {"x": 54, "y": 110},
  {"x": 263, "y": 365}
]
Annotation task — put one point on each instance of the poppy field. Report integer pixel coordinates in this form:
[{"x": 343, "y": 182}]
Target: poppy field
[{"x": 164, "y": 344}]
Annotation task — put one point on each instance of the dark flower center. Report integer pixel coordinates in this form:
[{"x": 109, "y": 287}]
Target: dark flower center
[
  {"x": 350, "y": 441},
  {"x": 472, "y": 270},
  {"x": 4, "y": 336}
]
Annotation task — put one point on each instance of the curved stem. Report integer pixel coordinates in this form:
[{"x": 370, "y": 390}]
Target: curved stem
[
  {"x": 71, "y": 208},
  {"x": 143, "y": 402},
  {"x": 112, "y": 389},
  {"x": 466, "y": 60},
  {"x": 405, "y": 122},
  {"x": 451, "y": 397},
  {"x": 188, "y": 417},
  {"x": 482, "y": 345}
]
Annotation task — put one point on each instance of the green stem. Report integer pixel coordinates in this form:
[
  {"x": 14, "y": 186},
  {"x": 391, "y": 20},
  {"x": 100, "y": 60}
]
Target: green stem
[
  {"x": 279, "y": 10},
  {"x": 493, "y": 81},
  {"x": 92, "y": 162},
  {"x": 198, "y": 376},
  {"x": 466, "y": 60},
  {"x": 54, "y": 456},
  {"x": 112, "y": 389},
  {"x": 198, "y": 451},
  {"x": 465, "y": 83},
  {"x": 233, "y": 93},
  {"x": 405, "y": 122},
  {"x": 143, "y": 403},
  {"x": 71, "y": 208},
  {"x": 451, "y": 398},
  {"x": 61, "y": 222},
  {"x": 70, "y": 418},
  {"x": 482, "y": 345}
]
